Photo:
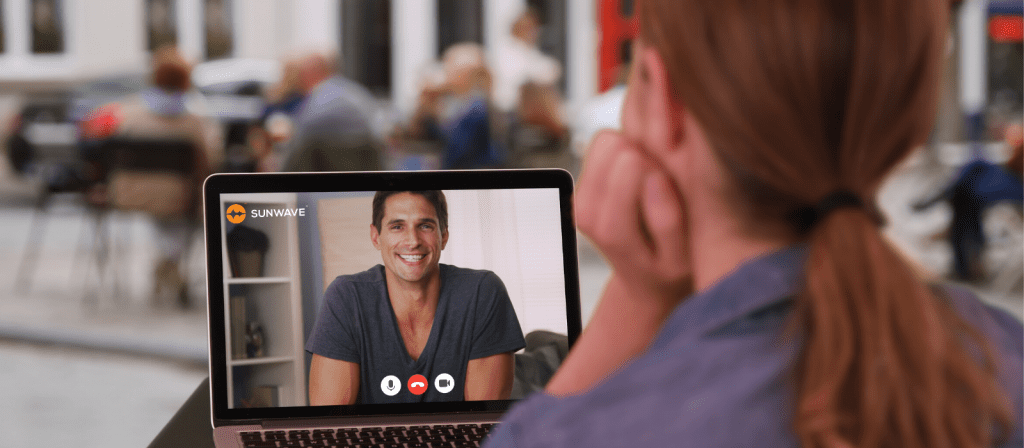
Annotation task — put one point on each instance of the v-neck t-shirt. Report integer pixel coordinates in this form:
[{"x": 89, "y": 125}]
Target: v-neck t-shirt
[{"x": 356, "y": 323}]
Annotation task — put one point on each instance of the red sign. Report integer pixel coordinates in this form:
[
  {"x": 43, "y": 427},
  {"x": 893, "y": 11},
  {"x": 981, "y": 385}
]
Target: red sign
[
  {"x": 617, "y": 31},
  {"x": 1006, "y": 28}
]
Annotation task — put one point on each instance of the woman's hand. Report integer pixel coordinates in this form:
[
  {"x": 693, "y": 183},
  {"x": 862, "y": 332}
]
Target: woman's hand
[
  {"x": 627, "y": 205},
  {"x": 630, "y": 209}
]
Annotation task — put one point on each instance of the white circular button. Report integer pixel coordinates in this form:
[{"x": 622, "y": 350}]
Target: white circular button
[
  {"x": 390, "y": 385},
  {"x": 444, "y": 383}
]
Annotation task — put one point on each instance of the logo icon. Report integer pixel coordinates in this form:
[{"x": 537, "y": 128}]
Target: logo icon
[
  {"x": 418, "y": 384},
  {"x": 390, "y": 385},
  {"x": 236, "y": 214},
  {"x": 444, "y": 383}
]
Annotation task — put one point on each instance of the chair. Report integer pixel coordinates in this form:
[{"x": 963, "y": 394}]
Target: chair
[
  {"x": 161, "y": 178},
  {"x": 157, "y": 177},
  {"x": 336, "y": 153},
  {"x": 62, "y": 172}
]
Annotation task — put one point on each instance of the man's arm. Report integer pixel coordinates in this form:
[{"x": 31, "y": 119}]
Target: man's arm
[
  {"x": 489, "y": 378},
  {"x": 332, "y": 381}
]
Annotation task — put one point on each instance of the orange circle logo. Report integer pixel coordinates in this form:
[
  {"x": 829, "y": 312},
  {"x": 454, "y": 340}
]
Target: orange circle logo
[{"x": 236, "y": 214}]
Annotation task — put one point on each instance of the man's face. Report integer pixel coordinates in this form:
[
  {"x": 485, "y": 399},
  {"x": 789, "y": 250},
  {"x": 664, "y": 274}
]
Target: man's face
[{"x": 410, "y": 239}]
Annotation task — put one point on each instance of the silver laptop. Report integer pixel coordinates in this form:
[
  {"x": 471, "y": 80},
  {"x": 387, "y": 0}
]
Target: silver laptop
[{"x": 404, "y": 309}]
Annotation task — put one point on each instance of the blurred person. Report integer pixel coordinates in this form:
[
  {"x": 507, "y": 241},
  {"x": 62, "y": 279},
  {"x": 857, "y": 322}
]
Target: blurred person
[
  {"x": 418, "y": 142},
  {"x": 333, "y": 125},
  {"x": 287, "y": 95},
  {"x": 423, "y": 125},
  {"x": 159, "y": 113},
  {"x": 753, "y": 299},
  {"x": 978, "y": 186},
  {"x": 459, "y": 113},
  {"x": 277, "y": 122},
  {"x": 538, "y": 136},
  {"x": 520, "y": 60}
]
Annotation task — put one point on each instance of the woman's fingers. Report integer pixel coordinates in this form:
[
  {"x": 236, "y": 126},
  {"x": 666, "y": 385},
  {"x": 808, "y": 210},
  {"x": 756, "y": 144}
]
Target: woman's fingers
[
  {"x": 596, "y": 168},
  {"x": 665, "y": 218},
  {"x": 632, "y": 212},
  {"x": 618, "y": 230}
]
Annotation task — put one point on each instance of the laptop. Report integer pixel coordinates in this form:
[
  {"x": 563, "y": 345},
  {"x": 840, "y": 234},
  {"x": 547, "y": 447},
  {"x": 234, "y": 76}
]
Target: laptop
[{"x": 305, "y": 275}]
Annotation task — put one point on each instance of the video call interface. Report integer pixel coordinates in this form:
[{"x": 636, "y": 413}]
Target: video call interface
[{"x": 325, "y": 308}]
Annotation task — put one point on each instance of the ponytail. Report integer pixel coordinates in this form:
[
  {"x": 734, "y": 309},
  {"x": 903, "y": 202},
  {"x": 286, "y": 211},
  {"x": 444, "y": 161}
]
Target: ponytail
[{"x": 886, "y": 363}]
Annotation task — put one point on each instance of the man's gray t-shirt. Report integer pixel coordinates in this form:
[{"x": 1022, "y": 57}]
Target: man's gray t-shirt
[{"x": 474, "y": 319}]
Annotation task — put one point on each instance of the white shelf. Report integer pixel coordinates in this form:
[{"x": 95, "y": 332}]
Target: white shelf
[
  {"x": 256, "y": 280},
  {"x": 273, "y": 300},
  {"x": 263, "y": 360}
]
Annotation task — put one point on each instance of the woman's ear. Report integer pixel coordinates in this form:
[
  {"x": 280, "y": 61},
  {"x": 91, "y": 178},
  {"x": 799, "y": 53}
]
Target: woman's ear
[{"x": 651, "y": 116}]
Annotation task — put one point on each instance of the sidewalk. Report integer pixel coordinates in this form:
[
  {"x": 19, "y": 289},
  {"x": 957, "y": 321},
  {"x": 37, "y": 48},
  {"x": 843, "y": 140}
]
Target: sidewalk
[
  {"x": 108, "y": 369},
  {"x": 64, "y": 301}
]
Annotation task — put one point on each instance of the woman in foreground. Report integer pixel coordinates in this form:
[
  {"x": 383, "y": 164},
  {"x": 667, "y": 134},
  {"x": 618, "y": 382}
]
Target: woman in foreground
[{"x": 753, "y": 300}]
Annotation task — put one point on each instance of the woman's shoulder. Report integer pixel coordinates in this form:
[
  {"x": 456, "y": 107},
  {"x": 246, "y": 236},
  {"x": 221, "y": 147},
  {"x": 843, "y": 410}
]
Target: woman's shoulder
[
  {"x": 999, "y": 326},
  {"x": 685, "y": 389}
]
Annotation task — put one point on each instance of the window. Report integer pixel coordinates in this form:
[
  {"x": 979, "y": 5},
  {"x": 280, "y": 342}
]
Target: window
[
  {"x": 2, "y": 43},
  {"x": 366, "y": 43},
  {"x": 160, "y": 24},
  {"x": 459, "y": 21},
  {"x": 1005, "y": 86},
  {"x": 552, "y": 41},
  {"x": 217, "y": 21},
  {"x": 626, "y": 8},
  {"x": 47, "y": 26}
]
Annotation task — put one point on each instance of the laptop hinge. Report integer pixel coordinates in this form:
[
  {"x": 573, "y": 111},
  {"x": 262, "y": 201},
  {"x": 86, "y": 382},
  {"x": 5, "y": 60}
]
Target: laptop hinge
[{"x": 383, "y": 420}]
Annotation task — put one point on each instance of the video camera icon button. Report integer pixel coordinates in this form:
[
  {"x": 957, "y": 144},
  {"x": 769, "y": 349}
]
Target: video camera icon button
[
  {"x": 390, "y": 385},
  {"x": 444, "y": 383}
]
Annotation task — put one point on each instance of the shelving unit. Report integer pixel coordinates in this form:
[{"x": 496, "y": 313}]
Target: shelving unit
[{"x": 273, "y": 299}]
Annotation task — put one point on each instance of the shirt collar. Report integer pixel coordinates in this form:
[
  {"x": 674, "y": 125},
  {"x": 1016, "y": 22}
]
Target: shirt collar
[{"x": 757, "y": 283}]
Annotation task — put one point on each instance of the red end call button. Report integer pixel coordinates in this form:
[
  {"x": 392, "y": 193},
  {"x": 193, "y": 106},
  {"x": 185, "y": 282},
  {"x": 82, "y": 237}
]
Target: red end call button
[{"x": 418, "y": 384}]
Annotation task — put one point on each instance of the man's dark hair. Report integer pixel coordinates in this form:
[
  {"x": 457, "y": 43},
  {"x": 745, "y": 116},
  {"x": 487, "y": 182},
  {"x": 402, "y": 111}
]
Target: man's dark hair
[{"x": 435, "y": 197}]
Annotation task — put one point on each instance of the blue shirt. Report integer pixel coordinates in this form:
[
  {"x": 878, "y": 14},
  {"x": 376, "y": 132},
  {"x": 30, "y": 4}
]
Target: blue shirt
[
  {"x": 337, "y": 109},
  {"x": 468, "y": 142},
  {"x": 718, "y": 373}
]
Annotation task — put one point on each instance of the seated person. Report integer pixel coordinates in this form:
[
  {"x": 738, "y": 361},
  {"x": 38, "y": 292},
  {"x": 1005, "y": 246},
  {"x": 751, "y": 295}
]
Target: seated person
[{"x": 381, "y": 322}]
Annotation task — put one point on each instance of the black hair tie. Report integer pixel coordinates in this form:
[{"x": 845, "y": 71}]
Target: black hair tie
[
  {"x": 807, "y": 217},
  {"x": 836, "y": 200}
]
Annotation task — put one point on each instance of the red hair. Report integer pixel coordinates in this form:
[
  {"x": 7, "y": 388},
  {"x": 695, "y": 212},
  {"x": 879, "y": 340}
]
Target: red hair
[
  {"x": 802, "y": 98},
  {"x": 170, "y": 70}
]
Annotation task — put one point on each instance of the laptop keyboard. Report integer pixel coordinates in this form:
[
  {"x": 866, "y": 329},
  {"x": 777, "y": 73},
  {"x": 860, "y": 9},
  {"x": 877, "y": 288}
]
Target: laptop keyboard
[{"x": 432, "y": 436}]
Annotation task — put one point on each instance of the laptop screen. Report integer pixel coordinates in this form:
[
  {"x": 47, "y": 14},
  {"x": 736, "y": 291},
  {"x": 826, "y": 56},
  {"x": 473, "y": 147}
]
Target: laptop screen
[{"x": 386, "y": 293}]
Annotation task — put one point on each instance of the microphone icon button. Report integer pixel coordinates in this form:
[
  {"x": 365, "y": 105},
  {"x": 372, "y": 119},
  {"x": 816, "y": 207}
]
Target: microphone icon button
[{"x": 390, "y": 385}]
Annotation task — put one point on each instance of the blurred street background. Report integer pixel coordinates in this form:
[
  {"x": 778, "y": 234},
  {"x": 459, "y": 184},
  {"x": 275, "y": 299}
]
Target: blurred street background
[{"x": 102, "y": 293}]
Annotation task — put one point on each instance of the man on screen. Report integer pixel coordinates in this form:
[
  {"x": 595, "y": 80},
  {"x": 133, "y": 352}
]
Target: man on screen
[{"x": 413, "y": 316}]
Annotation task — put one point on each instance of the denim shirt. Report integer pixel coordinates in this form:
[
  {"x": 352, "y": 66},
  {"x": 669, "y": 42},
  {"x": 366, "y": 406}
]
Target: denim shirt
[{"x": 718, "y": 374}]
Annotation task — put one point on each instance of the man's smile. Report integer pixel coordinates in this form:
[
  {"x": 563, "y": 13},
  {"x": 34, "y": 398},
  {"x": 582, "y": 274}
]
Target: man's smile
[{"x": 411, "y": 258}]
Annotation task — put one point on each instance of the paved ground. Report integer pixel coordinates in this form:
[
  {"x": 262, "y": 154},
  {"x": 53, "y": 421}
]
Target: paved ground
[
  {"x": 60, "y": 396},
  {"x": 88, "y": 353},
  {"x": 100, "y": 371}
]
